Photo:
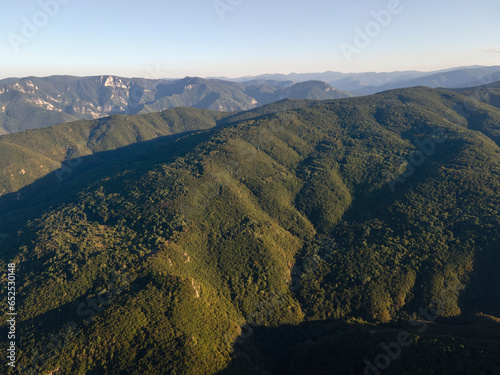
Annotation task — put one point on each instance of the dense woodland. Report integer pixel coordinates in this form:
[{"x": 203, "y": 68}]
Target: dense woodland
[
  {"x": 295, "y": 238},
  {"x": 489, "y": 94}
]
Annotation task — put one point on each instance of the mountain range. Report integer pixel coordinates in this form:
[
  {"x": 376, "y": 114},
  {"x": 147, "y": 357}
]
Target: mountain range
[
  {"x": 489, "y": 94},
  {"x": 371, "y": 82},
  {"x": 348, "y": 236},
  {"x": 32, "y": 102}
]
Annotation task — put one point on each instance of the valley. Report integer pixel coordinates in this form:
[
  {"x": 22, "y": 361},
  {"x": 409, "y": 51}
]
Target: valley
[{"x": 271, "y": 240}]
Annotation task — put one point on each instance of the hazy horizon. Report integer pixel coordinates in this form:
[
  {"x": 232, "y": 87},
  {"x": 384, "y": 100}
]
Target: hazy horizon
[
  {"x": 240, "y": 38},
  {"x": 247, "y": 76}
]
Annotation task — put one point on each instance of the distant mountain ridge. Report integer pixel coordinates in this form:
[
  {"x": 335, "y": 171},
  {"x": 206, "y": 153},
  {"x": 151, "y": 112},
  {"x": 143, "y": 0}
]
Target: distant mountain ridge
[
  {"x": 30, "y": 155},
  {"x": 300, "y": 237},
  {"x": 372, "y": 82},
  {"x": 489, "y": 94},
  {"x": 32, "y": 102}
]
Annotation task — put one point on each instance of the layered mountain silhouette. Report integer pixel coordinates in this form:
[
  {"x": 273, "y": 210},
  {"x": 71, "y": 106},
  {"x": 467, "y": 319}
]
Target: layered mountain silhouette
[
  {"x": 371, "y": 82},
  {"x": 299, "y": 237},
  {"x": 32, "y": 102},
  {"x": 489, "y": 94}
]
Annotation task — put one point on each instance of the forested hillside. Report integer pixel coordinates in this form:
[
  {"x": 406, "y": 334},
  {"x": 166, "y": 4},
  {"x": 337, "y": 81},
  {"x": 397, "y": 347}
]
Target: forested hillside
[
  {"x": 33, "y": 102},
  {"x": 489, "y": 94},
  {"x": 264, "y": 241},
  {"x": 30, "y": 155}
]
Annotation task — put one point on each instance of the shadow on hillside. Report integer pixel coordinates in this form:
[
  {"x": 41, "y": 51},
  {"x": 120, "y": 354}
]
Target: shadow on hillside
[
  {"x": 61, "y": 185},
  {"x": 347, "y": 347}
]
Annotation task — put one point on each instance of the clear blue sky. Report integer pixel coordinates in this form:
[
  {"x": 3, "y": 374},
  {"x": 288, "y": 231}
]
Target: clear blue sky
[{"x": 176, "y": 38}]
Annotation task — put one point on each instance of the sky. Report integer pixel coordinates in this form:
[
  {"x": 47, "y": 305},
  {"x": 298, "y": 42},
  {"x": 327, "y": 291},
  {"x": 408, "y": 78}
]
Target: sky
[{"x": 235, "y": 38}]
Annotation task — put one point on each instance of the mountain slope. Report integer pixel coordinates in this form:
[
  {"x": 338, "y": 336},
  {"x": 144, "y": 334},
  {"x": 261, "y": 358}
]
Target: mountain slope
[
  {"x": 449, "y": 79},
  {"x": 347, "y": 81},
  {"x": 489, "y": 94},
  {"x": 371, "y": 82},
  {"x": 297, "y": 211},
  {"x": 33, "y": 154},
  {"x": 357, "y": 347},
  {"x": 33, "y": 102}
]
